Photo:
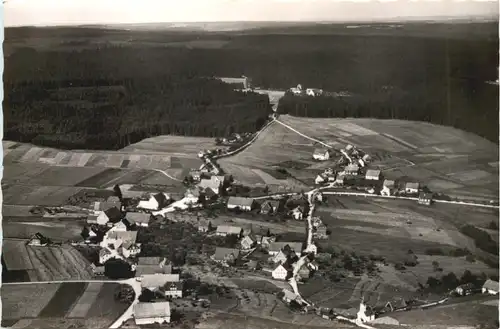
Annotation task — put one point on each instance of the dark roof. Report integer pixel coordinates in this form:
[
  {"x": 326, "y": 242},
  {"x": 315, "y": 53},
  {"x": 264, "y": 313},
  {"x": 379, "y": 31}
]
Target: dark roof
[
  {"x": 162, "y": 199},
  {"x": 114, "y": 214},
  {"x": 137, "y": 217},
  {"x": 40, "y": 237},
  {"x": 271, "y": 203}
]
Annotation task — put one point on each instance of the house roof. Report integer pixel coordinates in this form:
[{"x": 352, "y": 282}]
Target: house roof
[
  {"x": 152, "y": 269},
  {"x": 150, "y": 260},
  {"x": 137, "y": 217},
  {"x": 104, "y": 252},
  {"x": 213, "y": 182},
  {"x": 229, "y": 229},
  {"x": 113, "y": 198},
  {"x": 193, "y": 192},
  {"x": 412, "y": 185},
  {"x": 271, "y": 203},
  {"x": 352, "y": 167},
  {"x": 247, "y": 239},
  {"x": 372, "y": 172},
  {"x": 103, "y": 206},
  {"x": 221, "y": 253},
  {"x": 491, "y": 285},
  {"x": 41, "y": 237},
  {"x": 125, "y": 236},
  {"x": 277, "y": 246},
  {"x": 158, "y": 280},
  {"x": 162, "y": 199},
  {"x": 288, "y": 294},
  {"x": 240, "y": 201},
  {"x": 320, "y": 151},
  {"x": 151, "y": 310},
  {"x": 389, "y": 182},
  {"x": 114, "y": 214}
]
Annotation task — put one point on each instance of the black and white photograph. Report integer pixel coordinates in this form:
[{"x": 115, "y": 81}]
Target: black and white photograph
[{"x": 250, "y": 164}]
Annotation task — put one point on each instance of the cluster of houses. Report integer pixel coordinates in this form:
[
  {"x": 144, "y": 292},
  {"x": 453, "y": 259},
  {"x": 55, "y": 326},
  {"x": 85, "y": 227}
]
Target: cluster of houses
[
  {"x": 299, "y": 91},
  {"x": 356, "y": 175},
  {"x": 490, "y": 287},
  {"x": 234, "y": 139}
]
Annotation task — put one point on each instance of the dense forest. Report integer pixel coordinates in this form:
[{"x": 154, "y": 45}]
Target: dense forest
[{"x": 94, "y": 88}]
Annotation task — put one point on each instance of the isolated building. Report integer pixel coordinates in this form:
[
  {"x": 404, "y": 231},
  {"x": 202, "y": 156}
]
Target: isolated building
[
  {"x": 225, "y": 230},
  {"x": 490, "y": 287},
  {"x": 137, "y": 218},
  {"x": 225, "y": 255},
  {"x": 245, "y": 204},
  {"x": 149, "y": 313},
  {"x": 155, "y": 202},
  {"x": 425, "y": 198},
  {"x": 372, "y": 174},
  {"x": 412, "y": 188},
  {"x": 464, "y": 289},
  {"x": 321, "y": 154},
  {"x": 276, "y": 247}
]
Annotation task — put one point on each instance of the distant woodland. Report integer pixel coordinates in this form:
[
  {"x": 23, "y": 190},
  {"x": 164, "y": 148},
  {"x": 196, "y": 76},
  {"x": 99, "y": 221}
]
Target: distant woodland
[{"x": 104, "y": 89}]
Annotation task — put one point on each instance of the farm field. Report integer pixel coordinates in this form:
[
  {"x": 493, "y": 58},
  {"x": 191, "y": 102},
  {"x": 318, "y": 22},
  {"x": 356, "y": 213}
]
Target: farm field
[
  {"x": 446, "y": 159},
  {"x": 45, "y": 263},
  {"x": 58, "y": 231},
  {"x": 18, "y": 194},
  {"x": 57, "y": 305}
]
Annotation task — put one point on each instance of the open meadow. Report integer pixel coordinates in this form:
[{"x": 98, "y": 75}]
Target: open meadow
[
  {"x": 443, "y": 158},
  {"x": 53, "y": 305}
]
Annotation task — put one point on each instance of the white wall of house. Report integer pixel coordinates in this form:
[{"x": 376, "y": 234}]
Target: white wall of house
[
  {"x": 152, "y": 320},
  {"x": 102, "y": 218},
  {"x": 174, "y": 293},
  {"x": 279, "y": 273},
  {"x": 245, "y": 208},
  {"x": 489, "y": 291},
  {"x": 322, "y": 157},
  {"x": 151, "y": 204}
]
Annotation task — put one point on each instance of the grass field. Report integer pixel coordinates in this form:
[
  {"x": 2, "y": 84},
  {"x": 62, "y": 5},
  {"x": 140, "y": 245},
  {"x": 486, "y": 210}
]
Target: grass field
[
  {"x": 46, "y": 263},
  {"x": 58, "y": 231},
  {"x": 68, "y": 305},
  {"x": 446, "y": 159}
]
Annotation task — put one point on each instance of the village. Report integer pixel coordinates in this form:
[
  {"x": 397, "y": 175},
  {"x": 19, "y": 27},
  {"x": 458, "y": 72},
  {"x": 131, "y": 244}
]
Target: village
[{"x": 242, "y": 242}]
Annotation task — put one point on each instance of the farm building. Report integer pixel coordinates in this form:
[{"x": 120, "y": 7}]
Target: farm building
[
  {"x": 155, "y": 202},
  {"x": 118, "y": 238},
  {"x": 225, "y": 230},
  {"x": 321, "y": 154},
  {"x": 280, "y": 257},
  {"x": 137, "y": 218},
  {"x": 372, "y": 174},
  {"x": 298, "y": 213},
  {"x": 412, "y": 188},
  {"x": 213, "y": 183},
  {"x": 104, "y": 255},
  {"x": 240, "y": 203},
  {"x": 204, "y": 225},
  {"x": 276, "y": 247},
  {"x": 129, "y": 249},
  {"x": 490, "y": 287},
  {"x": 464, "y": 289},
  {"x": 282, "y": 271},
  {"x": 149, "y": 313},
  {"x": 120, "y": 226},
  {"x": 39, "y": 240},
  {"x": 288, "y": 296},
  {"x": 111, "y": 215},
  {"x": 152, "y": 265},
  {"x": 103, "y": 206},
  {"x": 155, "y": 281},
  {"x": 225, "y": 255},
  {"x": 270, "y": 207},
  {"x": 352, "y": 169},
  {"x": 172, "y": 289},
  {"x": 246, "y": 243},
  {"x": 425, "y": 198},
  {"x": 267, "y": 240}
]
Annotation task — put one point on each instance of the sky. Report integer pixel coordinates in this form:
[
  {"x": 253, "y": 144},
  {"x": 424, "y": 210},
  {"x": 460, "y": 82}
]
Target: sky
[{"x": 75, "y": 12}]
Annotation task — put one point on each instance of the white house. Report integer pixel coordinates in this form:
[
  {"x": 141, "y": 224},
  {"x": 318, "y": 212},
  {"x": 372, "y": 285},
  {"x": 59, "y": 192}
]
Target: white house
[
  {"x": 320, "y": 179},
  {"x": 155, "y": 202},
  {"x": 276, "y": 247},
  {"x": 297, "y": 90},
  {"x": 172, "y": 289},
  {"x": 412, "y": 188},
  {"x": 321, "y": 154},
  {"x": 352, "y": 169},
  {"x": 314, "y": 92},
  {"x": 280, "y": 273},
  {"x": 246, "y": 243},
  {"x": 157, "y": 280},
  {"x": 425, "y": 198},
  {"x": 372, "y": 174},
  {"x": 129, "y": 249},
  {"x": 490, "y": 287},
  {"x": 279, "y": 258},
  {"x": 225, "y": 230},
  {"x": 138, "y": 218},
  {"x": 214, "y": 183},
  {"x": 149, "y": 313},
  {"x": 104, "y": 255},
  {"x": 245, "y": 204}
]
